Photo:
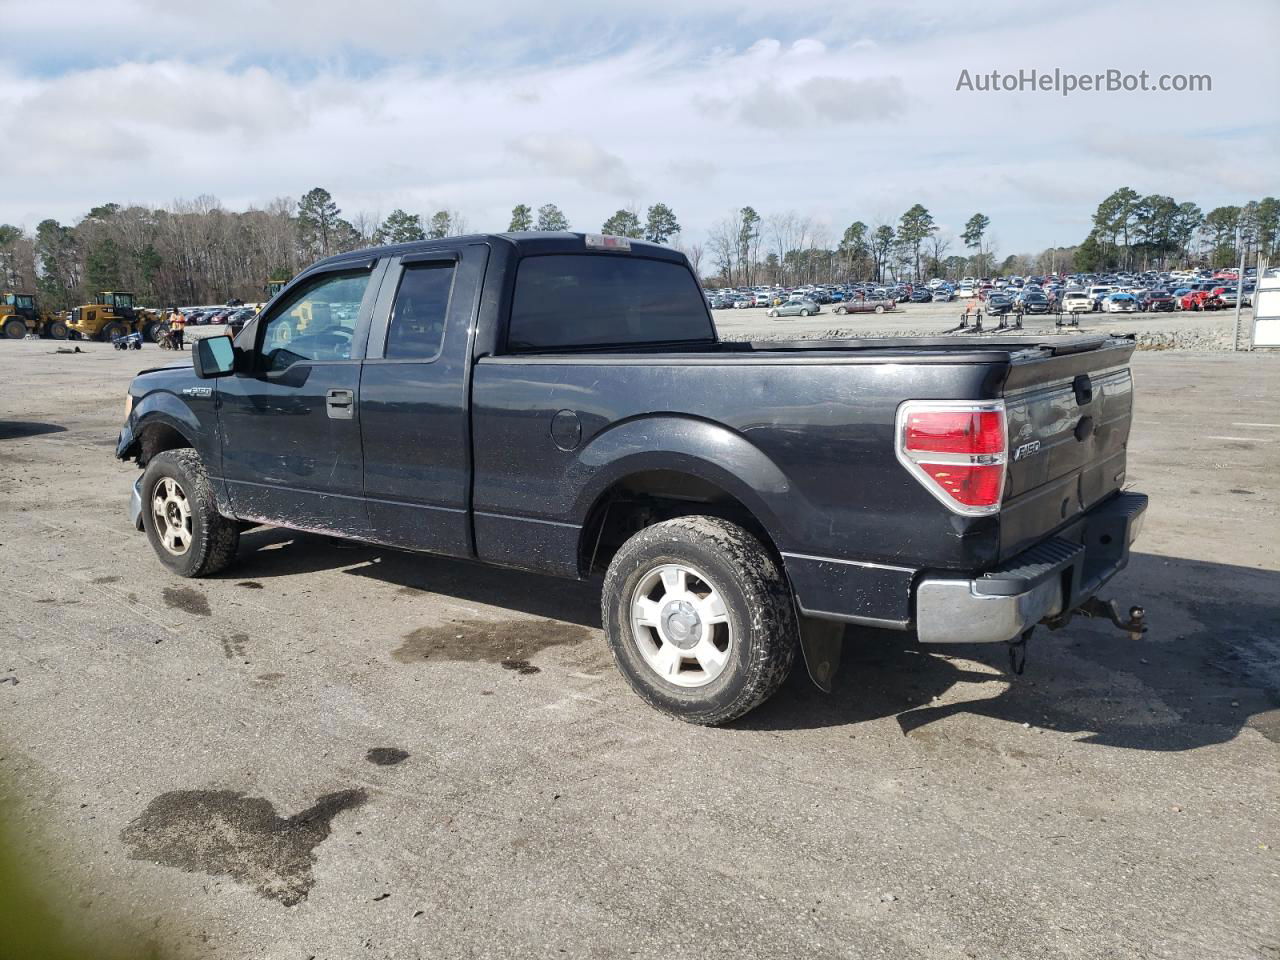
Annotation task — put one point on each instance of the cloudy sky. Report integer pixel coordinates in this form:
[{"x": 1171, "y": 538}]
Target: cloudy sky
[{"x": 837, "y": 110}]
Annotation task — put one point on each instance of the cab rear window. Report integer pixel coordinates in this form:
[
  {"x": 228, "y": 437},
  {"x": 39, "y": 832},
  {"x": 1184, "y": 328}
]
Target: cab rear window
[{"x": 563, "y": 301}]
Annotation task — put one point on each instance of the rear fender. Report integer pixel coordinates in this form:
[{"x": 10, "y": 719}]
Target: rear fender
[{"x": 699, "y": 448}]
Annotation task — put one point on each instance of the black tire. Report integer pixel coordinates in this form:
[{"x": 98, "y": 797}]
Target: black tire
[
  {"x": 758, "y": 603},
  {"x": 213, "y": 539},
  {"x": 879, "y": 308},
  {"x": 14, "y": 329},
  {"x": 112, "y": 330},
  {"x": 56, "y": 330}
]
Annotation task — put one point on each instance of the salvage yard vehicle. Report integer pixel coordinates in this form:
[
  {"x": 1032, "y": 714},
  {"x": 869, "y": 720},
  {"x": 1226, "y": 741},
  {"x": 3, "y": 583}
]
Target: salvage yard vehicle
[
  {"x": 113, "y": 315},
  {"x": 509, "y": 399},
  {"x": 857, "y": 305},
  {"x": 1077, "y": 301},
  {"x": 795, "y": 308},
  {"x": 20, "y": 314}
]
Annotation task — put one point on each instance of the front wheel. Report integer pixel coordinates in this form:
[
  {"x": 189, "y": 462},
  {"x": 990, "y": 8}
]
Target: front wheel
[
  {"x": 181, "y": 517},
  {"x": 879, "y": 308},
  {"x": 774, "y": 314},
  {"x": 56, "y": 330},
  {"x": 699, "y": 619},
  {"x": 842, "y": 310},
  {"x": 14, "y": 329}
]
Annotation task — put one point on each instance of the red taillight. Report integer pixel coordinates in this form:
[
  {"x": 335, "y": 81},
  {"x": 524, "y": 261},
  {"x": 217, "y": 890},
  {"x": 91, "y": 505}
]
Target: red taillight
[
  {"x": 957, "y": 450},
  {"x": 952, "y": 431}
]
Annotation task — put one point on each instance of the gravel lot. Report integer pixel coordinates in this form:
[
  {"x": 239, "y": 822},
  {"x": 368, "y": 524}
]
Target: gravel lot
[{"x": 338, "y": 751}]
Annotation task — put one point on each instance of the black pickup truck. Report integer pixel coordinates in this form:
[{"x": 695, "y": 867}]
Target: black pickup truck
[{"x": 561, "y": 403}]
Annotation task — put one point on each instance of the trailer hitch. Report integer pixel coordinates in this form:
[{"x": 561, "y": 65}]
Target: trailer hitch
[{"x": 1135, "y": 626}]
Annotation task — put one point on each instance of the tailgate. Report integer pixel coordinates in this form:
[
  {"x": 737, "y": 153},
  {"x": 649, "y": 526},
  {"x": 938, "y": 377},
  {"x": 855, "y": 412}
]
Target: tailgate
[{"x": 1069, "y": 419}]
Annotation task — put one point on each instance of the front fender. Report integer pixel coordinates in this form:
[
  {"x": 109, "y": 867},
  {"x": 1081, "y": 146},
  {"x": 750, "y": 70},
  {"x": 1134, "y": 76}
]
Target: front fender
[
  {"x": 688, "y": 445},
  {"x": 158, "y": 408}
]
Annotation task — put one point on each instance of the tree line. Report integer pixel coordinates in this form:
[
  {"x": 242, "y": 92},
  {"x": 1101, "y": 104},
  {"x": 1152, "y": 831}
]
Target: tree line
[{"x": 197, "y": 251}]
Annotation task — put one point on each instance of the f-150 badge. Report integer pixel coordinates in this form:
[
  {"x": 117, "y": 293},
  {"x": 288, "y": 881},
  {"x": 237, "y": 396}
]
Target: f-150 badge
[
  {"x": 1026, "y": 450},
  {"x": 197, "y": 391}
]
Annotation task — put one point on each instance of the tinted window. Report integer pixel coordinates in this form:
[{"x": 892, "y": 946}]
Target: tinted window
[
  {"x": 316, "y": 322},
  {"x": 417, "y": 319},
  {"x": 570, "y": 300}
]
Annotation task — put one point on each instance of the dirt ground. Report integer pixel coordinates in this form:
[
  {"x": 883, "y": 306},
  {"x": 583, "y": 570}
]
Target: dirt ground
[{"x": 334, "y": 751}]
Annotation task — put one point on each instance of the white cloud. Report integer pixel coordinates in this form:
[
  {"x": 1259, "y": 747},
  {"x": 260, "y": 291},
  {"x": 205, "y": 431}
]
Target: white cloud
[{"x": 839, "y": 111}]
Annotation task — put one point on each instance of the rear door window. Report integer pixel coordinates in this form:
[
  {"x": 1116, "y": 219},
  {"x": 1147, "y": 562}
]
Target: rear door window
[
  {"x": 595, "y": 300},
  {"x": 418, "y": 316}
]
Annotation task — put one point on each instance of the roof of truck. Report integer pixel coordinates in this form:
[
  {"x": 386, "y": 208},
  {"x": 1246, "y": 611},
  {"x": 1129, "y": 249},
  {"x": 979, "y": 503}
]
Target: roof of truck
[{"x": 528, "y": 243}]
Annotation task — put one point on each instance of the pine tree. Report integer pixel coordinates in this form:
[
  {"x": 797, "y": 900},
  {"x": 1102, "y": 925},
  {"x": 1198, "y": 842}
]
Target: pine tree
[
  {"x": 661, "y": 224},
  {"x": 624, "y": 223},
  {"x": 317, "y": 221},
  {"x": 399, "y": 227},
  {"x": 550, "y": 218},
  {"x": 521, "y": 218}
]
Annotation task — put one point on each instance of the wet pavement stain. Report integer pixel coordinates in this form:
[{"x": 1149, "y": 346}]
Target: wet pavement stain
[
  {"x": 491, "y": 641},
  {"x": 233, "y": 647},
  {"x": 520, "y": 666},
  {"x": 105, "y": 580},
  {"x": 187, "y": 599},
  {"x": 386, "y": 756},
  {"x": 268, "y": 681},
  {"x": 225, "y": 833},
  {"x": 250, "y": 584}
]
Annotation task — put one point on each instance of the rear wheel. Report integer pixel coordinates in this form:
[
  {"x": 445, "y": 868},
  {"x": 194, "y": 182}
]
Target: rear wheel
[
  {"x": 879, "y": 308},
  {"x": 181, "y": 517},
  {"x": 773, "y": 313},
  {"x": 699, "y": 619},
  {"x": 842, "y": 310},
  {"x": 111, "y": 331},
  {"x": 804, "y": 313},
  {"x": 14, "y": 329},
  {"x": 56, "y": 330}
]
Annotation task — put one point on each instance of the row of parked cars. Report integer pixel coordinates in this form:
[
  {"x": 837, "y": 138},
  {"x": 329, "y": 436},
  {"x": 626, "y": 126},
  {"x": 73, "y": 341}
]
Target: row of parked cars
[{"x": 234, "y": 316}]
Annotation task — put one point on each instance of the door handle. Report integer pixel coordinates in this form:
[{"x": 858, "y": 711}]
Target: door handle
[{"x": 340, "y": 404}]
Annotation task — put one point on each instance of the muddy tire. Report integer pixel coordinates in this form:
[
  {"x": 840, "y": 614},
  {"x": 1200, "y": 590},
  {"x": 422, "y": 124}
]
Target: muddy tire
[
  {"x": 699, "y": 619},
  {"x": 111, "y": 331},
  {"x": 56, "y": 330},
  {"x": 14, "y": 329},
  {"x": 181, "y": 518}
]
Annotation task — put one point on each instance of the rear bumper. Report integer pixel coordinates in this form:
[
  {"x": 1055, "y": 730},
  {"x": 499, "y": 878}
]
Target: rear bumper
[{"x": 1050, "y": 578}]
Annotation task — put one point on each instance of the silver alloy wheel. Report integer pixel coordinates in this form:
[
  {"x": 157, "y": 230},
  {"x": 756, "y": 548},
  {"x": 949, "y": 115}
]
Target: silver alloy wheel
[
  {"x": 171, "y": 512},
  {"x": 681, "y": 626}
]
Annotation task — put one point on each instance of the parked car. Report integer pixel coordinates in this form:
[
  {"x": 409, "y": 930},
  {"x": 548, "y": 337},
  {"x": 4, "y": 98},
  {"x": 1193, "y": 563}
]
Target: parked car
[
  {"x": 998, "y": 305},
  {"x": 865, "y": 306},
  {"x": 795, "y": 308},
  {"x": 1120, "y": 303},
  {"x": 942, "y": 295},
  {"x": 1034, "y": 302},
  {"x": 1157, "y": 301},
  {"x": 921, "y": 296},
  {"x": 1077, "y": 301},
  {"x": 510, "y": 432}
]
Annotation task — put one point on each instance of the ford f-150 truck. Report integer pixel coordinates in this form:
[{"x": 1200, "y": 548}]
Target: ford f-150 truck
[{"x": 561, "y": 403}]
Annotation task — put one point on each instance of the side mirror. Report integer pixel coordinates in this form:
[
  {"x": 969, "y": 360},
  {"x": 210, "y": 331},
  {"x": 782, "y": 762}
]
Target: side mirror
[{"x": 213, "y": 357}]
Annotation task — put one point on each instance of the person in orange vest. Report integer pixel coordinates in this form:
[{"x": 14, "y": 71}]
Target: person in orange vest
[{"x": 177, "y": 327}]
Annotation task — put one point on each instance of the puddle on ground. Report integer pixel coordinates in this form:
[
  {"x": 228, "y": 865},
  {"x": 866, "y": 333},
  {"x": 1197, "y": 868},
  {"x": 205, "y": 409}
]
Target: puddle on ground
[
  {"x": 507, "y": 642},
  {"x": 224, "y": 833},
  {"x": 386, "y": 756},
  {"x": 185, "y": 598}
]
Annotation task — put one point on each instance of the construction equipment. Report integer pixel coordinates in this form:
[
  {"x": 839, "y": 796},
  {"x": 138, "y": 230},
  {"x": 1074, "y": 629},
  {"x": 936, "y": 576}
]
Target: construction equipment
[
  {"x": 20, "y": 315},
  {"x": 114, "y": 315},
  {"x": 301, "y": 314}
]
